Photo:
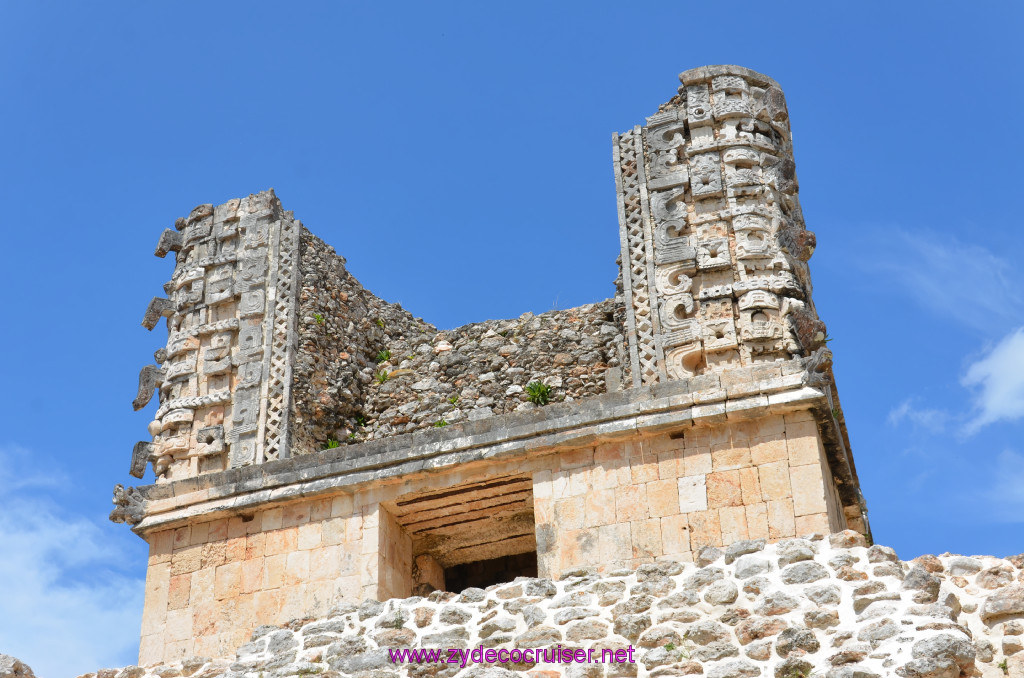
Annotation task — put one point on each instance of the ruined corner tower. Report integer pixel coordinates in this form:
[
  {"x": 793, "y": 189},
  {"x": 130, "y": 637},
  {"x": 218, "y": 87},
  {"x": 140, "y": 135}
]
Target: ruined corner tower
[{"x": 314, "y": 444}]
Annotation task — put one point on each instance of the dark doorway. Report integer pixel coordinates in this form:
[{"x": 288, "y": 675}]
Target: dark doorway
[{"x": 484, "y": 573}]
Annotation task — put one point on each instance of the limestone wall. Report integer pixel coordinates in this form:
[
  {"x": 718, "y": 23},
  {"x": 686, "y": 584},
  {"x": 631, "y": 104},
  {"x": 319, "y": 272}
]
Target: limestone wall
[
  {"x": 209, "y": 584},
  {"x": 626, "y": 503},
  {"x": 617, "y": 503},
  {"x": 813, "y": 606}
]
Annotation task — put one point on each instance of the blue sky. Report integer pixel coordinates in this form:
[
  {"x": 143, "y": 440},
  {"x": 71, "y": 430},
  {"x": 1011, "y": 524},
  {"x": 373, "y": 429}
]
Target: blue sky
[{"x": 458, "y": 154}]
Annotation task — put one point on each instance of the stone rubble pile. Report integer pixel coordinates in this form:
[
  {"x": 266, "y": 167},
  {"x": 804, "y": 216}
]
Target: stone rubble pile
[
  {"x": 349, "y": 339},
  {"x": 823, "y": 607}
]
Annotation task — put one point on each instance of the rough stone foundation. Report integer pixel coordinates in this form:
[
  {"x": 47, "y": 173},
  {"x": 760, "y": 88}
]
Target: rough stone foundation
[{"x": 814, "y": 606}]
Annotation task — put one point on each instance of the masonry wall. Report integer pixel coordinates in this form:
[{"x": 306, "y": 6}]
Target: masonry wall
[
  {"x": 367, "y": 369},
  {"x": 623, "y": 504},
  {"x": 620, "y": 503},
  {"x": 208, "y": 585},
  {"x": 830, "y": 608}
]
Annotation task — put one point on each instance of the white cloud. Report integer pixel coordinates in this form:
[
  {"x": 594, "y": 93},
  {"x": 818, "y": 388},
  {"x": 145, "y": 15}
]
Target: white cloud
[
  {"x": 964, "y": 282},
  {"x": 65, "y": 608},
  {"x": 933, "y": 421},
  {"x": 997, "y": 380}
]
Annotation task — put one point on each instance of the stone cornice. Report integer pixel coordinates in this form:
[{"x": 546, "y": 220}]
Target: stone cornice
[{"x": 703, "y": 400}]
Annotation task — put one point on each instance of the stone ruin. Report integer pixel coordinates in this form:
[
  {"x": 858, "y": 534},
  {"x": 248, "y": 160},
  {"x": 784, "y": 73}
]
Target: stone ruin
[{"x": 317, "y": 449}]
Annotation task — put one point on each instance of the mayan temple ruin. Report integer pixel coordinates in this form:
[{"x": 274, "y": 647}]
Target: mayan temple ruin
[{"x": 667, "y": 469}]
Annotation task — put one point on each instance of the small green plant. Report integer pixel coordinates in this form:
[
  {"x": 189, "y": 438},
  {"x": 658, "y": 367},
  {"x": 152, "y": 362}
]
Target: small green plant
[
  {"x": 383, "y": 355},
  {"x": 380, "y": 323},
  {"x": 352, "y": 436},
  {"x": 382, "y": 376},
  {"x": 835, "y": 412},
  {"x": 361, "y": 420},
  {"x": 454, "y": 399},
  {"x": 538, "y": 392},
  {"x": 331, "y": 444},
  {"x": 440, "y": 423},
  {"x": 1005, "y": 667},
  {"x": 680, "y": 651},
  {"x": 826, "y": 339},
  {"x": 319, "y": 318}
]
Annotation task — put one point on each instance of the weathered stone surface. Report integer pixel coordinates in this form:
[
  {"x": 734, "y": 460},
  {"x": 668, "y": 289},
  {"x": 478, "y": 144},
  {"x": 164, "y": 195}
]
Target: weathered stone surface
[
  {"x": 926, "y": 585},
  {"x": 539, "y": 636},
  {"x": 881, "y": 554},
  {"x": 796, "y": 639},
  {"x": 804, "y": 573},
  {"x": 734, "y": 669},
  {"x": 1007, "y": 601},
  {"x": 794, "y": 550},
  {"x": 11, "y": 667},
  {"x": 946, "y": 646},
  {"x": 737, "y": 549},
  {"x": 995, "y": 577},
  {"x": 721, "y": 593},
  {"x": 777, "y": 602},
  {"x": 707, "y": 555},
  {"x": 846, "y": 539},
  {"x": 630, "y": 626},
  {"x": 756, "y": 628},
  {"x": 707, "y": 632}
]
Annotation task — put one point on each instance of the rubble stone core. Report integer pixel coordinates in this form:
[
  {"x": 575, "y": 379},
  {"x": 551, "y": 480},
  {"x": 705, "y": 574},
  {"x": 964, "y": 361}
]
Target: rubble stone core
[{"x": 315, "y": 445}]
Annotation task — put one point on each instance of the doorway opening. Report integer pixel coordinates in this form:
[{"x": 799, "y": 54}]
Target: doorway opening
[{"x": 472, "y": 535}]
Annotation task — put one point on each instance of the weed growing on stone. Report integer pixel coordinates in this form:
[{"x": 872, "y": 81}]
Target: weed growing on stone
[
  {"x": 440, "y": 424},
  {"x": 1005, "y": 667},
  {"x": 681, "y": 652},
  {"x": 454, "y": 399},
  {"x": 383, "y": 355},
  {"x": 319, "y": 318},
  {"x": 382, "y": 376},
  {"x": 538, "y": 392},
  {"x": 361, "y": 420},
  {"x": 380, "y": 323},
  {"x": 331, "y": 444}
]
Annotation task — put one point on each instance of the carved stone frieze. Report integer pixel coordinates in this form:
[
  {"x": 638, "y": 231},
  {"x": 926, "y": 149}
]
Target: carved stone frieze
[
  {"x": 230, "y": 316},
  {"x": 715, "y": 187},
  {"x": 129, "y": 506}
]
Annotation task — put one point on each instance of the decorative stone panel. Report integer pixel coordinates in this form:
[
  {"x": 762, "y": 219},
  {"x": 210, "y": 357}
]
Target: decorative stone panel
[
  {"x": 714, "y": 247},
  {"x": 224, "y": 377}
]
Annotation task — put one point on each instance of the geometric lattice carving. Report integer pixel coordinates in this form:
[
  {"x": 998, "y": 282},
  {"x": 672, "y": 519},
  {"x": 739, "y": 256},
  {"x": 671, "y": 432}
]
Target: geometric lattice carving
[{"x": 635, "y": 259}]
